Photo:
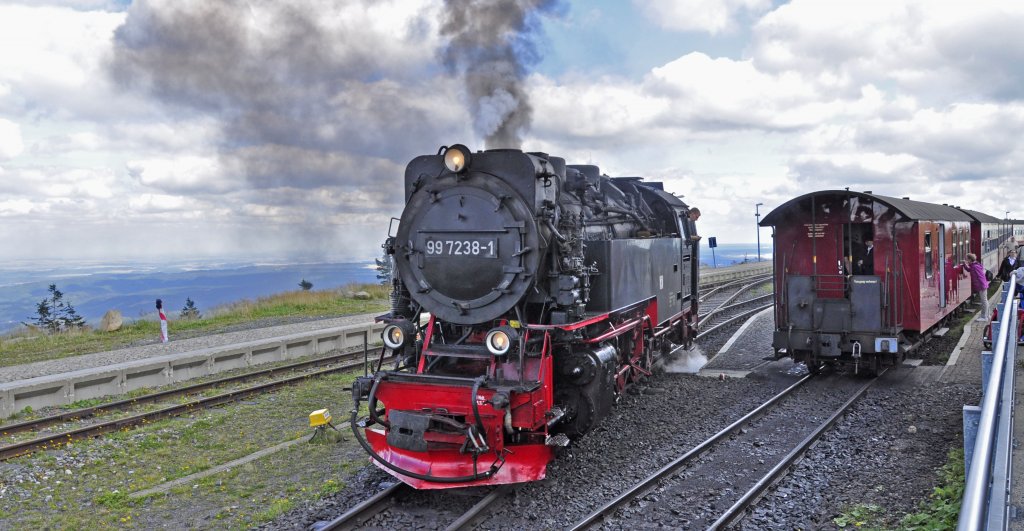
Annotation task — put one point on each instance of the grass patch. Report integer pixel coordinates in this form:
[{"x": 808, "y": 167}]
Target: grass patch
[
  {"x": 331, "y": 487},
  {"x": 26, "y": 346},
  {"x": 277, "y": 508},
  {"x": 116, "y": 500},
  {"x": 943, "y": 507},
  {"x": 938, "y": 513},
  {"x": 859, "y": 516},
  {"x": 90, "y": 485}
]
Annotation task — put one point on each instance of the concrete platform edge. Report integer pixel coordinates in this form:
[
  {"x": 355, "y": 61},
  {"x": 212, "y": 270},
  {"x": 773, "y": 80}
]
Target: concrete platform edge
[{"x": 119, "y": 378}]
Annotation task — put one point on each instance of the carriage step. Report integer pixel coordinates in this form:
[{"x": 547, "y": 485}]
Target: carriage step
[{"x": 558, "y": 440}]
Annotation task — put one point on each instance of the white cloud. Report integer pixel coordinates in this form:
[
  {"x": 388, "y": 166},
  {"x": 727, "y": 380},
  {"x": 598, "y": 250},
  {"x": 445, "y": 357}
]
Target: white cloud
[
  {"x": 936, "y": 49},
  {"x": 15, "y": 207},
  {"x": 53, "y": 59},
  {"x": 10, "y": 139},
  {"x": 184, "y": 174},
  {"x": 158, "y": 203},
  {"x": 710, "y": 16}
]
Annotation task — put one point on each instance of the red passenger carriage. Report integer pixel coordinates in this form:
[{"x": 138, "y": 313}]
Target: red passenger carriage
[{"x": 829, "y": 311}]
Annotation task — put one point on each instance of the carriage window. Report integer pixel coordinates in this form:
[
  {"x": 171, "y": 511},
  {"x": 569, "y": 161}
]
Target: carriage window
[
  {"x": 962, "y": 251},
  {"x": 928, "y": 269}
]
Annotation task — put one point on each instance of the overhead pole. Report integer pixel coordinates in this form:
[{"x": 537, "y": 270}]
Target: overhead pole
[{"x": 757, "y": 225}]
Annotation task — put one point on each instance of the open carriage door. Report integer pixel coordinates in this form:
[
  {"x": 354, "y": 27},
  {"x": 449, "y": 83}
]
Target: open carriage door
[{"x": 942, "y": 268}]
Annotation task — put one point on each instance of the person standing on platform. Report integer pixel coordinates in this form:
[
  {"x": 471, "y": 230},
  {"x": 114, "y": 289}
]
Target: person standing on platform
[
  {"x": 979, "y": 284},
  {"x": 163, "y": 320},
  {"x": 1010, "y": 263}
]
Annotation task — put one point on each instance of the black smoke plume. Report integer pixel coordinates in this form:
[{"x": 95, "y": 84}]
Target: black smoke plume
[
  {"x": 315, "y": 107},
  {"x": 491, "y": 47},
  {"x": 291, "y": 87}
]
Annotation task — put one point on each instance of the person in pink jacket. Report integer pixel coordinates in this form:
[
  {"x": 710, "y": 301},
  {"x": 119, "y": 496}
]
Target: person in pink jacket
[{"x": 979, "y": 283}]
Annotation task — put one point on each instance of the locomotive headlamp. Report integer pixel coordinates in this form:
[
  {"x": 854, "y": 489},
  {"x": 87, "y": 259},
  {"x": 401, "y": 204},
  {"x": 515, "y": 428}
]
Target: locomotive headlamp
[
  {"x": 456, "y": 158},
  {"x": 500, "y": 340},
  {"x": 394, "y": 337},
  {"x": 398, "y": 334}
]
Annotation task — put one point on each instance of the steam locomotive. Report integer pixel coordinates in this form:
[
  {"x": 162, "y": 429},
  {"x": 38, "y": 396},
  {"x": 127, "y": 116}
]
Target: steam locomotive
[{"x": 527, "y": 295}]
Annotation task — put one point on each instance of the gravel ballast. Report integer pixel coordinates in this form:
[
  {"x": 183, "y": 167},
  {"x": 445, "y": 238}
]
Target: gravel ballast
[{"x": 903, "y": 428}]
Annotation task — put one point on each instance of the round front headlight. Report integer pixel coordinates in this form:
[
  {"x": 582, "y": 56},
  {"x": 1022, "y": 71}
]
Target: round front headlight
[
  {"x": 456, "y": 158},
  {"x": 394, "y": 336},
  {"x": 499, "y": 341}
]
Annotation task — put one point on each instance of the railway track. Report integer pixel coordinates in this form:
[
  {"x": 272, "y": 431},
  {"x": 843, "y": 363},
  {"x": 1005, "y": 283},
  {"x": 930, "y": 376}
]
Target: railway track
[
  {"x": 725, "y": 310},
  {"x": 722, "y": 295},
  {"x": 64, "y": 437},
  {"x": 693, "y": 486},
  {"x": 396, "y": 498}
]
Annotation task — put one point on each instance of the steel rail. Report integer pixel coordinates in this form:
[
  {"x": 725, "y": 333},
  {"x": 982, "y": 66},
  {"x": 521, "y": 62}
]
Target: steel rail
[
  {"x": 364, "y": 510},
  {"x": 750, "y": 282},
  {"x": 119, "y": 405},
  {"x": 383, "y": 500},
  {"x": 668, "y": 470},
  {"x": 465, "y": 521},
  {"x": 26, "y": 447},
  {"x": 776, "y": 472},
  {"x": 725, "y": 304},
  {"x": 732, "y": 320}
]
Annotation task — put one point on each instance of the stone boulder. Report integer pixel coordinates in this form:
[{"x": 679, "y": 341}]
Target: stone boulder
[
  {"x": 111, "y": 321},
  {"x": 361, "y": 295}
]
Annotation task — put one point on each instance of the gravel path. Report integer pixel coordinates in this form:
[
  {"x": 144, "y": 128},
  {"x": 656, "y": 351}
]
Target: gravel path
[{"x": 250, "y": 331}]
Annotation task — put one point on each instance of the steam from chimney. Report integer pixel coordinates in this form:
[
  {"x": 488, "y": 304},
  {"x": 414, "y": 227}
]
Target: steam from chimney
[
  {"x": 316, "y": 102},
  {"x": 490, "y": 47}
]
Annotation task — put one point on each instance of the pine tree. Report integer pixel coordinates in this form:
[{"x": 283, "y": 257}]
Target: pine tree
[
  {"x": 55, "y": 315},
  {"x": 44, "y": 317},
  {"x": 384, "y": 269},
  {"x": 190, "y": 311},
  {"x": 306, "y": 285}
]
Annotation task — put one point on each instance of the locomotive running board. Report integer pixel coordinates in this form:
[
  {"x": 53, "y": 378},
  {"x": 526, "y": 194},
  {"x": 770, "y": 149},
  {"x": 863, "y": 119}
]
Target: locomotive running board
[{"x": 456, "y": 381}]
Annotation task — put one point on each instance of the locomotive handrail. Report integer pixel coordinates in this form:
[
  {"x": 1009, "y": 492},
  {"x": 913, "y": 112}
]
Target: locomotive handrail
[{"x": 986, "y": 489}]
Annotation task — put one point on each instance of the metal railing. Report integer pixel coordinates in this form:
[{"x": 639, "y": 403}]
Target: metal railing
[{"x": 985, "y": 504}]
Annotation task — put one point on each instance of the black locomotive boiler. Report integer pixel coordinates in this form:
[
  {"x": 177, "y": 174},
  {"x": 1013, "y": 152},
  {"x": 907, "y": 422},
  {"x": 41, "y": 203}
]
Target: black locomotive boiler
[{"x": 547, "y": 289}]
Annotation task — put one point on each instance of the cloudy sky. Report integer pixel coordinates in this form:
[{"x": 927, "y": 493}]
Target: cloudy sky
[{"x": 268, "y": 130}]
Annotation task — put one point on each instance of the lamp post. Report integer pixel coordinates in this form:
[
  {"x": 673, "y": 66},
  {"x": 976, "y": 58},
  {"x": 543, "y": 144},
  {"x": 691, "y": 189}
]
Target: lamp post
[{"x": 757, "y": 223}]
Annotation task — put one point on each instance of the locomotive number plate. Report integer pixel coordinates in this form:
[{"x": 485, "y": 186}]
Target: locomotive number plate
[{"x": 474, "y": 247}]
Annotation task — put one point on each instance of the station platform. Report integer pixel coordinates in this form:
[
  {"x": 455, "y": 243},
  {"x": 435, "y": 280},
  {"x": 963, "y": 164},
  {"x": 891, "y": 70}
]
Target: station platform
[{"x": 67, "y": 380}]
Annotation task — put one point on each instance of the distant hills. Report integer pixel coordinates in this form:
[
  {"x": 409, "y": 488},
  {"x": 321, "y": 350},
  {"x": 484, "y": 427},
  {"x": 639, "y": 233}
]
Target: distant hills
[{"x": 133, "y": 289}]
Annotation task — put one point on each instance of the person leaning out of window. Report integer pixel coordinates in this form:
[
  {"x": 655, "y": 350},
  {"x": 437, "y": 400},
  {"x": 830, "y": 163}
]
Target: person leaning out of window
[{"x": 692, "y": 217}]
